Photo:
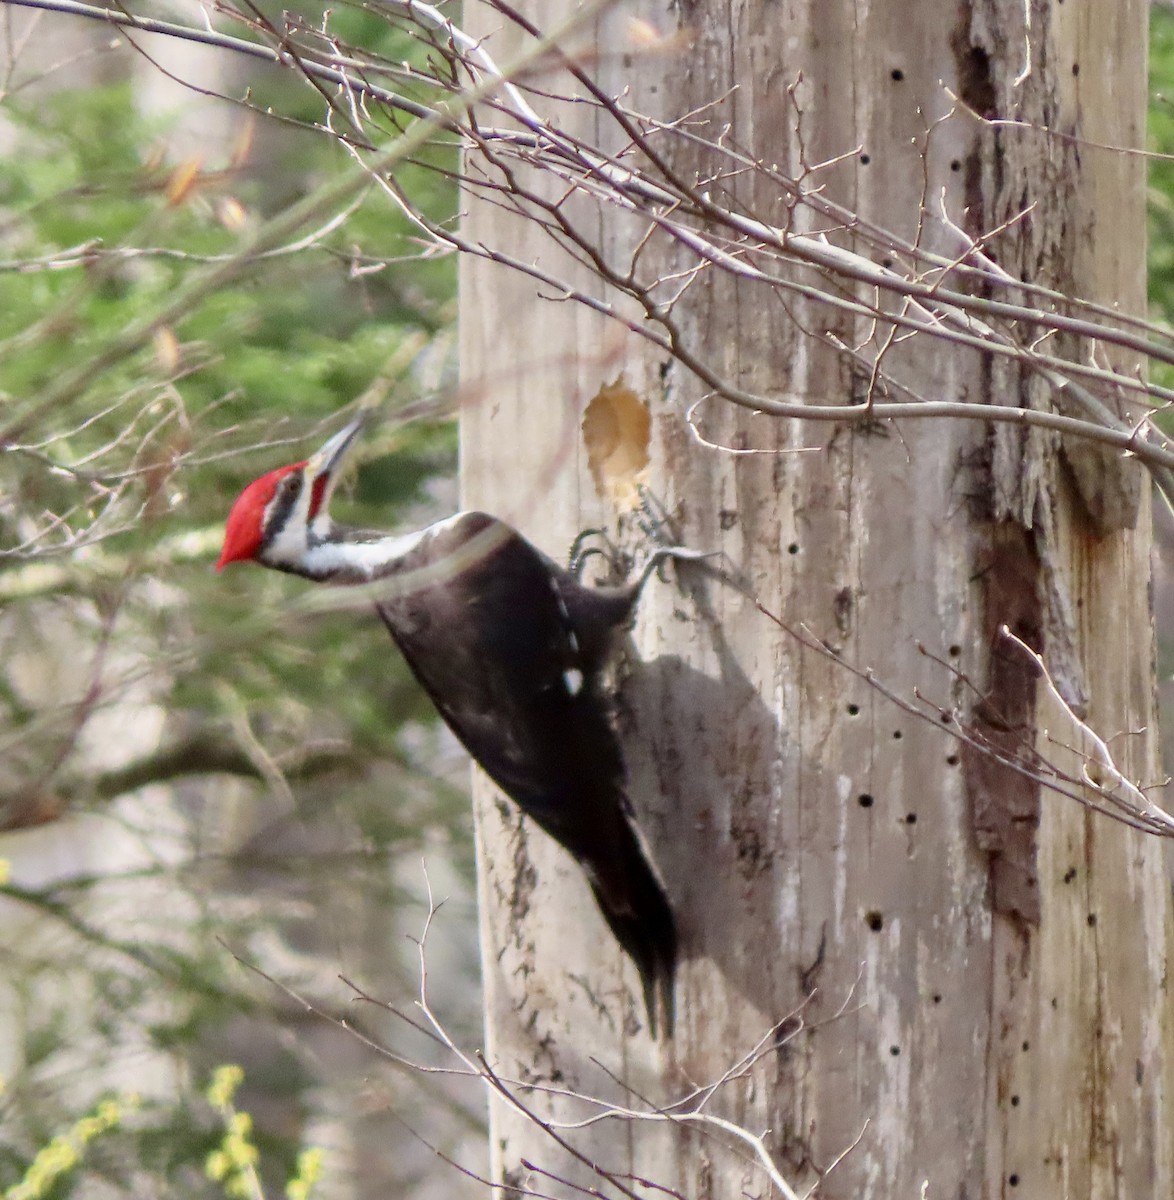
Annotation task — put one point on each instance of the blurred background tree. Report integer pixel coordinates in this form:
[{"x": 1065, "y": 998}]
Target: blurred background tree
[{"x": 197, "y": 767}]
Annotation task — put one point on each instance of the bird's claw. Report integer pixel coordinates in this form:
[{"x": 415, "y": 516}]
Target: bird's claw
[
  {"x": 580, "y": 552},
  {"x": 652, "y": 519}
]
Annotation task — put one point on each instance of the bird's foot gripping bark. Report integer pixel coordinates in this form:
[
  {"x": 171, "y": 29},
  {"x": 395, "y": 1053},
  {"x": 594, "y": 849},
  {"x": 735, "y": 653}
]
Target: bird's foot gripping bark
[
  {"x": 649, "y": 517},
  {"x": 581, "y": 551},
  {"x": 652, "y": 518},
  {"x": 657, "y": 526}
]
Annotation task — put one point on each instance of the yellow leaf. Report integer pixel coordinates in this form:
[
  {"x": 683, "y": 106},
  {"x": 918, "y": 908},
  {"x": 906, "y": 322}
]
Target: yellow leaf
[
  {"x": 232, "y": 213},
  {"x": 166, "y": 349},
  {"x": 182, "y": 181}
]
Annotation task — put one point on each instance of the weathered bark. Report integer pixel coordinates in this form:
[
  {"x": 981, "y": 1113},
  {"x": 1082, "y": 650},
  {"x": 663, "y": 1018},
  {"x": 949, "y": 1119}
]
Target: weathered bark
[{"x": 984, "y": 965}]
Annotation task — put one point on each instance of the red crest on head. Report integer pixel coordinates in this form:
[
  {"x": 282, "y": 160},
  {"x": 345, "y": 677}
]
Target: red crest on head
[{"x": 244, "y": 528}]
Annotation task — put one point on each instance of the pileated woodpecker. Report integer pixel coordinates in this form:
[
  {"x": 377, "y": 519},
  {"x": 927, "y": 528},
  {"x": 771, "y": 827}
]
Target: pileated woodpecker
[{"x": 510, "y": 647}]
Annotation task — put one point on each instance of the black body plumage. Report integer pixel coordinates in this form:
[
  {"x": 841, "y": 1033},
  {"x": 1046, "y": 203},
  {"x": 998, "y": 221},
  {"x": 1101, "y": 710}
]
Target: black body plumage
[{"x": 510, "y": 646}]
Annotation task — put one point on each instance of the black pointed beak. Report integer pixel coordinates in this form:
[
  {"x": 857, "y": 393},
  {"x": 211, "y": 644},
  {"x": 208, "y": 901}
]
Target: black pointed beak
[
  {"x": 327, "y": 463},
  {"x": 330, "y": 458}
]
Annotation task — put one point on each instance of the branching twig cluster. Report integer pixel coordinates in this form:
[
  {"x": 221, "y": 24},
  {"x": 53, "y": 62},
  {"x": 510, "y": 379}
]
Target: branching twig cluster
[
  {"x": 891, "y": 287},
  {"x": 516, "y": 155},
  {"x": 690, "y": 1110}
]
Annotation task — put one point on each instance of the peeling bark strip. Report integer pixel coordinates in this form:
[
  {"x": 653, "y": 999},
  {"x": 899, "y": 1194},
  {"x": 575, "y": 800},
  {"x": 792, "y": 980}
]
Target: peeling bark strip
[{"x": 1004, "y": 803}]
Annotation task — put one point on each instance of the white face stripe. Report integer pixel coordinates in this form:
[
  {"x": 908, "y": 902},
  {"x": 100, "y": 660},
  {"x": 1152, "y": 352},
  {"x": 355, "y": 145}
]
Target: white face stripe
[
  {"x": 362, "y": 558},
  {"x": 288, "y": 548},
  {"x": 320, "y": 525},
  {"x": 314, "y": 551},
  {"x": 317, "y": 554}
]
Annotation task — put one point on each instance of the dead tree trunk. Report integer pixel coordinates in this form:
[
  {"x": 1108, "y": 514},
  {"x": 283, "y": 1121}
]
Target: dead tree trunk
[{"x": 975, "y": 967}]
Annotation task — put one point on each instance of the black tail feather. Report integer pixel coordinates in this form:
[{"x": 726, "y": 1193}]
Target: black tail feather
[{"x": 633, "y": 903}]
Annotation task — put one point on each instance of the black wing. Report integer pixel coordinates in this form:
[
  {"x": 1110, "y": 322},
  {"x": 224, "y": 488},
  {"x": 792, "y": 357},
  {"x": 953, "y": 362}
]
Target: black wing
[{"x": 492, "y": 642}]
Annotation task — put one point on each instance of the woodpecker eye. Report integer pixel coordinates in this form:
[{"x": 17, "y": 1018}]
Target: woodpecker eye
[{"x": 291, "y": 485}]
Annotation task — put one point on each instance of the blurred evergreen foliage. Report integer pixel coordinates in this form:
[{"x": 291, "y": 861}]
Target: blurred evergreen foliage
[{"x": 110, "y": 511}]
